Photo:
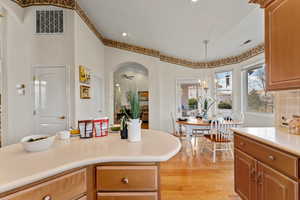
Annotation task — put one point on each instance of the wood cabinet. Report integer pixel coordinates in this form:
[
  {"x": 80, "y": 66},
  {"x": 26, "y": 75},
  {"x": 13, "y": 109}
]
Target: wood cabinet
[
  {"x": 282, "y": 43},
  {"x": 127, "y": 178},
  {"x": 244, "y": 175},
  {"x": 68, "y": 187},
  {"x": 127, "y": 182},
  {"x": 128, "y": 196},
  {"x": 271, "y": 184},
  {"x": 261, "y": 177},
  {"x": 111, "y": 181}
]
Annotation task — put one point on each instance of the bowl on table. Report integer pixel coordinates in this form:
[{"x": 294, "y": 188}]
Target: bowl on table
[{"x": 36, "y": 143}]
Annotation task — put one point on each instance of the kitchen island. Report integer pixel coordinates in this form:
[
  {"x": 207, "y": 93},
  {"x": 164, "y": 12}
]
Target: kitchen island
[
  {"x": 99, "y": 168},
  {"x": 266, "y": 164}
]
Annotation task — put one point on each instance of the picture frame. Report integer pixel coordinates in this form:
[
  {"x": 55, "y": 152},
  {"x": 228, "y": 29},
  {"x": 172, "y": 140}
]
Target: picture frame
[
  {"x": 84, "y": 75},
  {"x": 85, "y": 92}
]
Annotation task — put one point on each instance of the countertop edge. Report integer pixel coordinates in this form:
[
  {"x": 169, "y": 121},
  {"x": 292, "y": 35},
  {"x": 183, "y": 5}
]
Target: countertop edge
[
  {"x": 267, "y": 142},
  {"x": 37, "y": 177}
]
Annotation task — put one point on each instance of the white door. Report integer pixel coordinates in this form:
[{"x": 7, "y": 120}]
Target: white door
[
  {"x": 50, "y": 100},
  {"x": 97, "y": 97}
]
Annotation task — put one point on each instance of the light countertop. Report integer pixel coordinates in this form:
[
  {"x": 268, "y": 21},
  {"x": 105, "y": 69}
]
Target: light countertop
[
  {"x": 276, "y": 137},
  {"x": 18, "y": 168}
]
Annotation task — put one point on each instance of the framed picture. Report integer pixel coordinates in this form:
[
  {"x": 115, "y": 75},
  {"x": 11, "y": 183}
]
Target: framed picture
[
  {"x": 144, "y": 96},
  {"x": 84, "y": 92},
  {"x": 84, "y": 75}
]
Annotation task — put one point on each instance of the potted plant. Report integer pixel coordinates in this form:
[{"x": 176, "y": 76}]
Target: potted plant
[{"x": 134, "y": 123}]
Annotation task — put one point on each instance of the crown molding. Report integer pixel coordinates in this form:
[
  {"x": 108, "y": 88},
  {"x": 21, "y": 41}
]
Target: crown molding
[
  {"x": 72, "y": 4},
  {"x": 88, "y": 22},
  {"x": 132, "y": 48},
  {"x": 187, "y": 63}
]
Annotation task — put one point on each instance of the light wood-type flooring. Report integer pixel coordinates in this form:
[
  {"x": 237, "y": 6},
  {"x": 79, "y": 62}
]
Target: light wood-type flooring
[{"x": 193, "y": 176}]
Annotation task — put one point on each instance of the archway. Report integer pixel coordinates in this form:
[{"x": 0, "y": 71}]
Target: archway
[{"x": 131, "y": 76}]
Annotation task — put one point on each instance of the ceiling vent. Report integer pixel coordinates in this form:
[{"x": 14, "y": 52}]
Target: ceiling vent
[
  {"x": 246, "y": 42},
  {"x": 49, "y": 21}
]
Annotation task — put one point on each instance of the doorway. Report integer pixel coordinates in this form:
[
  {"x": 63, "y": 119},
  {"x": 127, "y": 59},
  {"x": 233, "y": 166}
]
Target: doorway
[
  {"x": 50, "y": 100},
  {"x": 131, "y": 77}
]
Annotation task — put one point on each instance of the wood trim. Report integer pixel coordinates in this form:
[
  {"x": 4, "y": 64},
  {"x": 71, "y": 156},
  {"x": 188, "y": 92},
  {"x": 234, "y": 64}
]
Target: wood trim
[
  {"x": 72, "y": 4},
  {"x": 88, "y": 22},
  {"x": 132, "y": 48}
]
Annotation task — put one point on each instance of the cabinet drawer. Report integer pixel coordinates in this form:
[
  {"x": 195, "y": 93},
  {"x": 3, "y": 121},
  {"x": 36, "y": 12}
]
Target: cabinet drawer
[
  {"x": 279, "y": 160},
  {"x": 127, "y": 196},
  {"x": 127, "y": 178},
  {"x": 67, "y": 187}
]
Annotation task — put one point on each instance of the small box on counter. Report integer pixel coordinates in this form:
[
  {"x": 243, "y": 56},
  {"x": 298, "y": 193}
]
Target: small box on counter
[
  {"x": 86, "y": 128},
  {"x": 91, "y": 128}
]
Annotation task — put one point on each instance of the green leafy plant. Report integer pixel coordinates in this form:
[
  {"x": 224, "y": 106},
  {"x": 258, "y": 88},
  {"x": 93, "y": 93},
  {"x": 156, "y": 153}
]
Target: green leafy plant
[
  {"x": 193, "y": 103},
  {"x": 224, "y": 105},
  {"x": 135, "y": 109}
]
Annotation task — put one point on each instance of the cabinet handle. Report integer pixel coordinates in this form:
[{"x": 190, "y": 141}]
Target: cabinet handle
[
  {"x": 242, "y": 143},
  {"x": 259, "y": 178},
  {"x": 125, "y": 180},
  {"x": 252, "y": 173},
  {"x": 48, "y": 197},
  {"x": 271, "y": 157}
]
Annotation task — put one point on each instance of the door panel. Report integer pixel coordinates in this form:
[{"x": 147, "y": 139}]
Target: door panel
[
  {"x": 274, "y": 185},
  {"x": 245, "y": 169},
  {"x": 282, "y": 44},
  {"x": 97, "y": 97},
  {"x": 50, "y": 100}
]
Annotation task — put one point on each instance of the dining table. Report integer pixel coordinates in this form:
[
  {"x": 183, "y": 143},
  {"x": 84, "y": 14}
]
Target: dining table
[{"x": 201, "y": 125}]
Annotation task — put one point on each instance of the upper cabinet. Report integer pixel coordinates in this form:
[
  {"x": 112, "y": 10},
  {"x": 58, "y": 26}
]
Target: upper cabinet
[{"x": 282, "y": 43}]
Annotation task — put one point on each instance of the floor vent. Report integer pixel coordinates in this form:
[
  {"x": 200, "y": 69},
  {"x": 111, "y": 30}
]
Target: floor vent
[{"x": 49, "y": 21}]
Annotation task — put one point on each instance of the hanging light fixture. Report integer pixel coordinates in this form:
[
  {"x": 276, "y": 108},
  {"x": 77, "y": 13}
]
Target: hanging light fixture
[{"x": 205, "y": 84}]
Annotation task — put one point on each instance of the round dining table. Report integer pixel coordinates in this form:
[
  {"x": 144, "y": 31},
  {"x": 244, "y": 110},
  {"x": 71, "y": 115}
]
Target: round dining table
[{"x": 199, "y": 124}]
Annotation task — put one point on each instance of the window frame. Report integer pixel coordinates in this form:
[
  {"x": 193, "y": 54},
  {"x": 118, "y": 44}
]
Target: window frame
[
  {"x": 232, "y": 88},
  {"x": 245, "y": 90}
]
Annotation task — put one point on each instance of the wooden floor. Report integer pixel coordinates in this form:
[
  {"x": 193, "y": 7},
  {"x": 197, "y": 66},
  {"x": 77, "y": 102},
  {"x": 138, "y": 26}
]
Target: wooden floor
[{"x": 193, "y": 176}]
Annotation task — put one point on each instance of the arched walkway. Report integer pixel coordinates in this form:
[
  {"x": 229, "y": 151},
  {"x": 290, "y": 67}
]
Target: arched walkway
[{"x": 127, "y": 77}]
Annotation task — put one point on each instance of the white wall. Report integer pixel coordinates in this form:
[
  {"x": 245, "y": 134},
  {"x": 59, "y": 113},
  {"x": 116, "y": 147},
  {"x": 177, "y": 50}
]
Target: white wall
[
  {"x": 25, "y": 50},
  {"x": 162, "y": 85},
  {"x": 89, "y": 52}
]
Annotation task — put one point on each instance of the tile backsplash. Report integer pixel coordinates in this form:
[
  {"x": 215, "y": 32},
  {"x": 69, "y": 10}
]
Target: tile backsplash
[{"x": 287, "y": 104}]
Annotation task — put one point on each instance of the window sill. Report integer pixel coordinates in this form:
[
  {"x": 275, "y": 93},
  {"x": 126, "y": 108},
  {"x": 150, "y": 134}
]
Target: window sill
[{"x": 260, "y": 114}]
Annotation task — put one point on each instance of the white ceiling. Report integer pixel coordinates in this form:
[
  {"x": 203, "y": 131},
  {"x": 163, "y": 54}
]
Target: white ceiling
[{"x": 178, "y": 27}]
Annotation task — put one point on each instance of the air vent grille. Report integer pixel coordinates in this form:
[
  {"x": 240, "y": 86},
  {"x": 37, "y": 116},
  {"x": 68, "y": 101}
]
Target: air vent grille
[{"x": 49, "y": 21}]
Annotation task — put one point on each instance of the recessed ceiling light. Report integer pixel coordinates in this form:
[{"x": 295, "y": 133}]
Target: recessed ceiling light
[
  {"x": 124, "y": 34},
  {"x": 194, "y": 1}
]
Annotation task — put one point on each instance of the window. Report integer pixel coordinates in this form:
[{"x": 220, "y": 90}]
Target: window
[
  {"x": 258, "y": 99},
  {"x": 224, "y": 91}
]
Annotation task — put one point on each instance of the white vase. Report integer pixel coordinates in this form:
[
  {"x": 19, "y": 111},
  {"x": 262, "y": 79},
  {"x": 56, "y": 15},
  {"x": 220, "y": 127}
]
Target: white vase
[{"x": 134, "y": 130}]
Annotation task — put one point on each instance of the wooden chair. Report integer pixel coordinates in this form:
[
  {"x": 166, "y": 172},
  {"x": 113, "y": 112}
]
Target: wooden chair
[{"x": 219, "y": 138}]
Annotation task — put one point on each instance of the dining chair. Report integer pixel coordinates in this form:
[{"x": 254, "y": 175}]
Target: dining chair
[
  {"x": 219, "y": 138},
  {"x": 176, "y": 132}
]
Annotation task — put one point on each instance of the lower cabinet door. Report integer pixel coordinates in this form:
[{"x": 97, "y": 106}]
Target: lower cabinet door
[
  {"x": 67, "y": 187},
  {"x": 273, "y": 185},
  {"x": 244, "y": 176},
  {"x": 128, "y": 196}
]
